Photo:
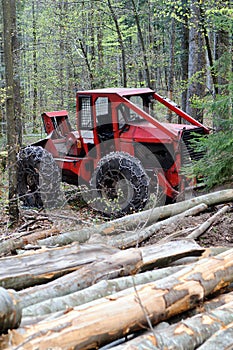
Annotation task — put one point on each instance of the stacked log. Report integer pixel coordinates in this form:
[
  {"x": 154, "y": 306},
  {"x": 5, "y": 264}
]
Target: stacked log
[{"x": 87, "y": 295}]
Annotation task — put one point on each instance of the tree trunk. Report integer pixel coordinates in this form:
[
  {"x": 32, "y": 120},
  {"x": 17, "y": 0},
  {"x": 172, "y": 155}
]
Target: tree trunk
[
  {"x": 196, "y": 62},
  {"x": 91, "y": 326},
  {"x": 42, "y": 266},
  {"x": 123, "y": 263},
  {"x": 16, "y": 68},
  {"x": 96, "y": 291},
  {"x": 12, "y": 139},
  {"x": 121, "y": 43},
  {"x": 18, "y": 241},
  {"x": 223, "y": 339},
  {"x": 141, "y": 39},
  {"x": 35, "y": 69},
  {"x": 187, "y": 334},
  {"x": 170, "y": 87},
  {"x": 10, "y": 310},
  {"x": 147, "y": 217},
  {"x": 133, "y": 238},
  {"x": 184, "y": 38}
]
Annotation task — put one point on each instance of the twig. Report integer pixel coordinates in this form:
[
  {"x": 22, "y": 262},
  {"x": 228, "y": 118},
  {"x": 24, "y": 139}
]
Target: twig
[
  {"x": 40, "y": 218},
  {"x": 79, "y": 221}
]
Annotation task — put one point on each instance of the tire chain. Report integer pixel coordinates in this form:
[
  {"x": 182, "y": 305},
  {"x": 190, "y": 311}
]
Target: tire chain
[
  {"x": 45, "y": 174},
  {"x": 135, "y": 174}
]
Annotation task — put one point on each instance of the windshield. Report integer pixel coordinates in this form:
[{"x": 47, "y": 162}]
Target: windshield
[{"x": 127, "y": 115}]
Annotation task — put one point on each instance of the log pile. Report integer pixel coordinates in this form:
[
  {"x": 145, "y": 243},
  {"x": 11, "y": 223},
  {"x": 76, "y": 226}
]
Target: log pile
[{"x": 100, "y": 288}]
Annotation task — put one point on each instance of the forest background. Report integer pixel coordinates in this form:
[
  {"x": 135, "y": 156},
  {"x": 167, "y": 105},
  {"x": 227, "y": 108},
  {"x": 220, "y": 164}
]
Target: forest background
[{"x": 182, "y": 49}]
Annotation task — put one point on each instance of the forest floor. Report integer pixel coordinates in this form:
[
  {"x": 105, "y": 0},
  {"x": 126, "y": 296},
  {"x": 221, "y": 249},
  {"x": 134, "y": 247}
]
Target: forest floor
[{"x": 77, "y": 216}]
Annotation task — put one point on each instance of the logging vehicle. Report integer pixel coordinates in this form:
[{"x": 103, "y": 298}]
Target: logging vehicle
[{"x": 119, "y": 150}]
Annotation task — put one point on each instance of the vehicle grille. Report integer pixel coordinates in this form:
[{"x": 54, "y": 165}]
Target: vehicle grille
[{"x": 189, "y": 149}]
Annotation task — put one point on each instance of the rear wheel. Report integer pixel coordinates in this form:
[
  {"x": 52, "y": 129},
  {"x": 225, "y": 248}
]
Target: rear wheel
[
  {"x": 120, "y": 185},
  {"x": 38, "y": 178}
]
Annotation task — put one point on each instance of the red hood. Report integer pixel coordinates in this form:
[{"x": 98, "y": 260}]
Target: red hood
[{"x": 146, "y": 132}]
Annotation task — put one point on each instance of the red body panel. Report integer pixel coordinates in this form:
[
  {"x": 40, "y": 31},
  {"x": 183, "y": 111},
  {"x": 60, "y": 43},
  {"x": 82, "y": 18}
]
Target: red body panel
[{"x": 78, "y": 152}]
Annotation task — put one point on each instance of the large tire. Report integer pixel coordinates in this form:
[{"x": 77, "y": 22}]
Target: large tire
[
  {"x": 120, "y": 185},
  {"x": 39, "y": 178}
]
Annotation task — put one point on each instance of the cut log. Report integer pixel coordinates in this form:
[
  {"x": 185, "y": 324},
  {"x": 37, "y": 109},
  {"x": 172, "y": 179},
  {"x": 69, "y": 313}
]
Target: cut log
[
  {"x": 98, "y": 290},
  {"x": 44, "y": 265},
  {"x": 110, "y": 318},
  {"x": 215, "y": 303},
  {"x": 10, "y": 310},
  {"x": 206, "y": 225},
  {"x": 189, "y": 333},
  {"x": 123, "y": 263},
  {"x": 223, "y": 339}
]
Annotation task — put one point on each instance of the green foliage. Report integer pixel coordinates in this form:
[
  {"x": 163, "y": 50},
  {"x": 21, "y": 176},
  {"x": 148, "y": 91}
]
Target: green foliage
[
  {"x": 216, "y": 167},
  {"x": 2, "y": 95}
]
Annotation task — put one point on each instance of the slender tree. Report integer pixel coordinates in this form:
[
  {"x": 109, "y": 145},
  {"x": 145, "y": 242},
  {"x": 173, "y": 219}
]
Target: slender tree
[
  {"x": 170, "y": 86},
  {"x": 142, "y": 42},
  {"x": 196, "y": 68},
  {"x": 8, "y": 7},
  {"x": 121, "y": 43},
  {"x": 35, "y": 68},
  {"x": 184, "y": 37}
]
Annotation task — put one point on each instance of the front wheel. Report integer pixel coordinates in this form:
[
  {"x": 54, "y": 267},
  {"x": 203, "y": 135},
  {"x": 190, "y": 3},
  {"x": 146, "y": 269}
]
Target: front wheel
[
  {"x": 38, "y": 178},
  {"x": 120, "y": 185}
]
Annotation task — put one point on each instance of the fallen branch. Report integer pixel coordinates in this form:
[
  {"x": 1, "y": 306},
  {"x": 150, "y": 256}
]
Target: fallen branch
[
  {"x": 18, "y": 241},
  {"x": 31, "y": 222},
  {"x": 138, "y": 220},
  {"x": 206, "y": 225},
  {"x": 131, "y": 238},
  {"x": 152, "y": 215}
]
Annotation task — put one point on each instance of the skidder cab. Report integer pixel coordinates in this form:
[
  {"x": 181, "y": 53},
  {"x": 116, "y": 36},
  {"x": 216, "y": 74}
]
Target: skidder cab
[{"x": 119, "y": 149}]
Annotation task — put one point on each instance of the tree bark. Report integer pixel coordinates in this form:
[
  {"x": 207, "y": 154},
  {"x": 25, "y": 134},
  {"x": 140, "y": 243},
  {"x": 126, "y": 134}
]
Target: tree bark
[
  {"x": 170, "y": 87},
  {"x": 123, "y": 263},
  {"x": 223, "y": 339},
  {"x": 12, "y": 140},
  {"x": 147, "y": 217},
  {"x": 187, "y": 334},
  {"x": 121, "y": 43},
  {"x": 42, "y": 266},
  {"x": 196, "y": 62},
  {"x": 91, "y": 326},
  {"x": 141, "y": 39},
  {"x": 96, "y": 291},
  {"x": 10, "y": 310},
  {"x": 184, "y": 38}
]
